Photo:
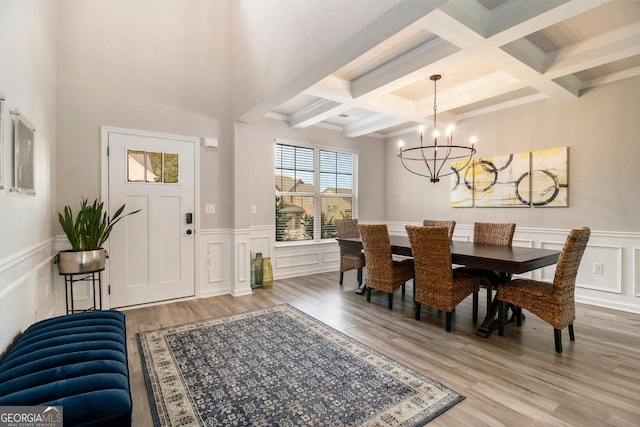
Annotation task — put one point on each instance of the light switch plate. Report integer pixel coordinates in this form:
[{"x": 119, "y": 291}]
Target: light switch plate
[{"x": 209, "y": 208}]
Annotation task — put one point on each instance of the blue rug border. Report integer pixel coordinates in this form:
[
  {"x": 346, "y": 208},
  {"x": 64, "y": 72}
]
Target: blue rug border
[{"x": 147, "y": 379}]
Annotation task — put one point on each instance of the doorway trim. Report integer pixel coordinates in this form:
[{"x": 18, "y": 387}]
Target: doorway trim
[{"x": 104, "y": 196}]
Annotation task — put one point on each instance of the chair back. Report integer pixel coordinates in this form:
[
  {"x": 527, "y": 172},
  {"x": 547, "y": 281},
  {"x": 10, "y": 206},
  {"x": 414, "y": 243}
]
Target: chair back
[
  {"x": 569, "y": 261},
  {"x": 439, "y": 223},
  {"x": 377, "y": 251},
  {"x": 494, "y": 233},
  {"x": 347, "y": 228},
  {"x": 431, "y": 248}
]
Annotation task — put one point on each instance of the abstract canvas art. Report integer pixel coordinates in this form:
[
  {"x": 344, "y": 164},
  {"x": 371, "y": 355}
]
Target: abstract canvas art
[
  {"x": 461, "y": 185},
  {"x": 550, "y": 177},
  {"x": 497, "y": 179},
  {"x": 539, "y": 178}
]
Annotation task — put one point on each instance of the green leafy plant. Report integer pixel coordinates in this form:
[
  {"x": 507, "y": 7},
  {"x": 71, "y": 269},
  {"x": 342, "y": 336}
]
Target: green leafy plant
[{"x": 91, "y": 226}]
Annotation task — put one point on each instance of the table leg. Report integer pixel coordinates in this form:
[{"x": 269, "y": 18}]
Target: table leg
[{"x": 487, "y": 326}]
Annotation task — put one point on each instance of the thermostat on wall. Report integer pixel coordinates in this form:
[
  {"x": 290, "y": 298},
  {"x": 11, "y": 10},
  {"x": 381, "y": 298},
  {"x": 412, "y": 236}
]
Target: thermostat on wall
[{"x": 210, "y": 142}]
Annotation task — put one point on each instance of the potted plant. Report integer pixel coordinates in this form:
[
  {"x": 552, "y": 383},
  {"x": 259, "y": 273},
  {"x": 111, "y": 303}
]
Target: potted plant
[{"x": 87, "y": 232}]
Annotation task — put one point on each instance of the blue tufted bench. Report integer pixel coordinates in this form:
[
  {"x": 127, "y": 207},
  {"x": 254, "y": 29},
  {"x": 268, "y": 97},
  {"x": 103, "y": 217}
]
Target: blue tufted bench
[{"x": 79, "y": 362}]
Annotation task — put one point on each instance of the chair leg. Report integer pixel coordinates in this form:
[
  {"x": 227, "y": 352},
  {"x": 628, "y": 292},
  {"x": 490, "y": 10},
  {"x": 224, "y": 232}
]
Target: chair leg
[
  {"x": 368, "y": 294},
  {"x": 417, "y": 308},
  {"x": 403, "y": 288},
  {"x": 390, "y": 300},
  {"x": 572, "y": 337},
  {"x": 475, "y": 307},
  {"x": 359, "y": 277},
  {"x": 341, "y": 277},
  {"x": 447, "y": 324},
  {"x": 557, "y": 333},
  {"x": 519, "y": 316},
  {"x": 501, "y": 316}
]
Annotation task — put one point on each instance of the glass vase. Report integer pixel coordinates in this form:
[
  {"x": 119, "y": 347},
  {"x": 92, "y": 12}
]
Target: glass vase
[{"x": 267, "y": 273}]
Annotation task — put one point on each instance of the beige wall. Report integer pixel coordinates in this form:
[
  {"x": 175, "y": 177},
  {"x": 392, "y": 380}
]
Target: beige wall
[
  {"x": 600, "y": 128},
  {"x": 152, "y": 65}
]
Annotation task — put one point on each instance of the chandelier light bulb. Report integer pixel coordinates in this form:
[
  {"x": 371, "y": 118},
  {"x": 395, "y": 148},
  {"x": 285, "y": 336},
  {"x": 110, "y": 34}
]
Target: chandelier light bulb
[
  {"x": 436, "y": 133},
  {"x": 473, "y": 141},
  {"x": 450, "y": 130}
]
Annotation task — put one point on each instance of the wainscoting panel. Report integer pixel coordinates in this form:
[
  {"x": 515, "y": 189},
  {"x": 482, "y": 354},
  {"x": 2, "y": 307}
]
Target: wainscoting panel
[
  {"x": 608, "y": 275},
  {"x": 28, "y": 291},
  {"x": 215, "y": 263}
]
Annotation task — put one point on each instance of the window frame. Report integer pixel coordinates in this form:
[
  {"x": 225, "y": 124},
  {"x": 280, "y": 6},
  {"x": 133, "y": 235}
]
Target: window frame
[{"x": 317, "y": 194}]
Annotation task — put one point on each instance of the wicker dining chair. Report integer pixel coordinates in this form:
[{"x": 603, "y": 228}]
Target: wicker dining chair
[
  {"x": 490, "y": 233},
  {"x": 437, "y": 284},
  {"x": 349, "y": 258},
  {"x": 440, "y": 223},
  {"x": 383, "y": 272},
  {"x": 552, "y": 302}
]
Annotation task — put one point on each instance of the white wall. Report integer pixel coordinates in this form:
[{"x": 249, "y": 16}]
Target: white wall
[{"x": 28, "y": 81}]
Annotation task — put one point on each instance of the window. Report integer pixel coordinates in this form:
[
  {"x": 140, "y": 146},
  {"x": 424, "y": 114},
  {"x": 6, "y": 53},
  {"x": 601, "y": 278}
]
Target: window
[
  {"x": 314, "y": 187},
  {"x": 147, "y": 166}
]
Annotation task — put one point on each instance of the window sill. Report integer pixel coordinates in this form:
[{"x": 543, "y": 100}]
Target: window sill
[{"x": 298, "y": 243}]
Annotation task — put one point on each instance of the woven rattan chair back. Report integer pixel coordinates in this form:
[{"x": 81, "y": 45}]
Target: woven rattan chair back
[
  {"x": 377, "y": 253},
  {"x": 567, "y": 270},
  {"x": 493, "y": 233},
  {"x": 431, "y": 248},
  {"x": 451, "y": 225},
  {"x": 347, "y": 228}
]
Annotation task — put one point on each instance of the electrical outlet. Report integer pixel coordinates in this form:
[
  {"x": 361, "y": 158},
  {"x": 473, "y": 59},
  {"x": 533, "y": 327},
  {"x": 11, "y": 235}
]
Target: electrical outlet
[
  {"x": 253, "y": 209},
  {"x": 598, "y": 268}
]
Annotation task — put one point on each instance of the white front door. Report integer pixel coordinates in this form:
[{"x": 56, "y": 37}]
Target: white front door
[{"x": 151, "y": 253}]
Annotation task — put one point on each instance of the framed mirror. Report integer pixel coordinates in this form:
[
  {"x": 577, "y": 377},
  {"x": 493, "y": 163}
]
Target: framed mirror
[
  {"x": 23, "y": 154},
  {"x": 2, "y": 131}
]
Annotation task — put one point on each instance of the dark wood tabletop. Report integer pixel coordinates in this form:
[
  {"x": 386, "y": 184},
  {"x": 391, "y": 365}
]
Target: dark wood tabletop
[{"x": 504, "y": 259}]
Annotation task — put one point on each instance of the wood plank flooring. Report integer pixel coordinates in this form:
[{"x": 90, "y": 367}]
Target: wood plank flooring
[{"x": 517, "y": 379}]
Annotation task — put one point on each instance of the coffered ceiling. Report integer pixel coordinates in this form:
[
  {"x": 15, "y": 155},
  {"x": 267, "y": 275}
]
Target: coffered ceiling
[{"x": 492, "y": 55}]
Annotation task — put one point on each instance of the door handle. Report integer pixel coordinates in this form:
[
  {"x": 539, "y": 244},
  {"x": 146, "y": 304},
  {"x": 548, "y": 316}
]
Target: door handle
[{"x": 189, "y": 231}]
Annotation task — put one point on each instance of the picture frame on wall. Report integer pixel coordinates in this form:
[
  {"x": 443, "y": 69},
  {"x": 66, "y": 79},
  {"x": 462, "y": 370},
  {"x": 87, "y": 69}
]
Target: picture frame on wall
[
  {"x": 2, "y": 132},
  {"x": 23, "y": 154}
]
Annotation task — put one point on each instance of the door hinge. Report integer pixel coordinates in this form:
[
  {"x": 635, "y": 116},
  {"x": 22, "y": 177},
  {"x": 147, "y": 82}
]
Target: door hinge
[{"x": 109, "y": 290}]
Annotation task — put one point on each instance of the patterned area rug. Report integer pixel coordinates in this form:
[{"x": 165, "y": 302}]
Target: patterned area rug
[{"x": 279, "y": 366}]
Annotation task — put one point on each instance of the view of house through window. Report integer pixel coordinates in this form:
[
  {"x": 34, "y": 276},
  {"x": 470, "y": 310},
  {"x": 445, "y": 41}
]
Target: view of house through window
[
  {"x": 147, "y": 166},
  {"x": 314, "y": 187}
]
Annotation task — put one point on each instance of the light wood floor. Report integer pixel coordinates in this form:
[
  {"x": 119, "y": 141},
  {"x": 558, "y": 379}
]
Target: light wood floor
[{"x": 517, "y": 379}]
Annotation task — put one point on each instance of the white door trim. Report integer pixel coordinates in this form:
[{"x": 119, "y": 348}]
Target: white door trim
[{"x": 104, "y": 194}]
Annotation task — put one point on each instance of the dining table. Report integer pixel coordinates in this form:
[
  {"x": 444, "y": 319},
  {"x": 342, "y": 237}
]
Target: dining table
[{"x": 504, "y": 260}]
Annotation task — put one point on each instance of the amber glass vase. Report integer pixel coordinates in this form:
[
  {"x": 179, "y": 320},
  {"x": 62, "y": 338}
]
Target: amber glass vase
[{"x": 267, "y": 273}]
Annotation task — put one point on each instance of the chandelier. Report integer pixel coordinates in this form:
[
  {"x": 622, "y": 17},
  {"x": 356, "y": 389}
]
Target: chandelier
[{"x": 429, "y": 160}]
